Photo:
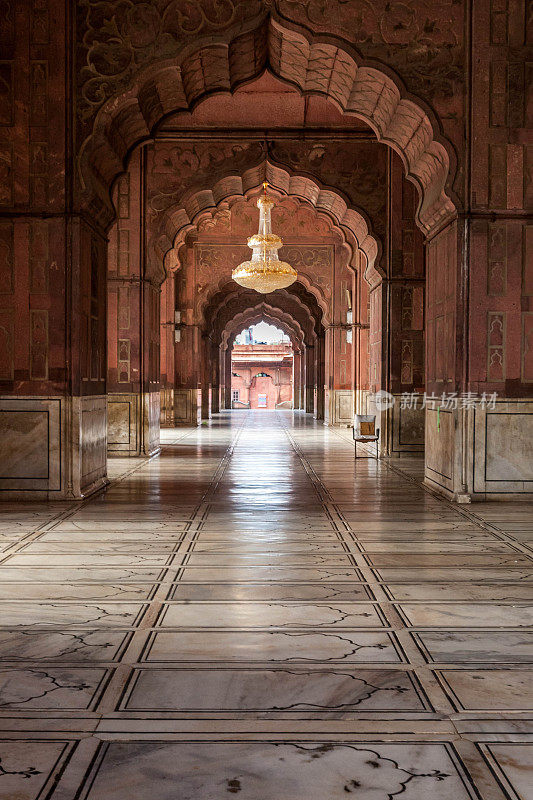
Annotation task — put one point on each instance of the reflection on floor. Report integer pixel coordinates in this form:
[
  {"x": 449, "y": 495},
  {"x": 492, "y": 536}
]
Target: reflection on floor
[{"x": 253, "y": 614}]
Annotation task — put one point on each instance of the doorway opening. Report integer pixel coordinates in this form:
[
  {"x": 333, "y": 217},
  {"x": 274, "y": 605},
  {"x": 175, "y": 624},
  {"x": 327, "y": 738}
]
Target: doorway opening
[{"x": 262, "y": 366}]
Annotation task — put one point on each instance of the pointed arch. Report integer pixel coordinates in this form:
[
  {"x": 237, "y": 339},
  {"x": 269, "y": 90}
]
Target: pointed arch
[
  {"x": 314, "y": 65},
  {"x": 179, "y": 219}
]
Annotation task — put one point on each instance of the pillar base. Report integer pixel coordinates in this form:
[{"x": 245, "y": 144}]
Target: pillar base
[
  {"x": 339, "y": 407},
  {"x": 167, "y": 408},
  {"x": 407, "y": 430},
  {"x": 133, "y": 424},
  {"x": 479, "y": 454},
  {"x": 187, "y": 407},
  {"x": 52, "y": 448}
]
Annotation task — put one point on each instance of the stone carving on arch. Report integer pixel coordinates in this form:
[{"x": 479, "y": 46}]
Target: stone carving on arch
[
  {"x": 230, "y": 300},
  {"x": 313, "y": 64},
  {"x": 200, "y": 208},
  {"x": 268, "y": 313},
  {"x": 304, "y": 292}
]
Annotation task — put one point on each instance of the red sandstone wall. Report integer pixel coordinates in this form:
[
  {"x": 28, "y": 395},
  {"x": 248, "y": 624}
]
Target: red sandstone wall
[
  {"x": 501, "y": 304},
  {"x": 263, "y": 386},
  {"x": 51, "y": 265},
  {"x": 500, "y": 296},
  {"x": 133, "y": 341},
  {"x": 407, "y": 276},
  {"x": 124, "y": 299},
  {"x": 443, "y": 373},
  {"x": 278, "y": 387}
]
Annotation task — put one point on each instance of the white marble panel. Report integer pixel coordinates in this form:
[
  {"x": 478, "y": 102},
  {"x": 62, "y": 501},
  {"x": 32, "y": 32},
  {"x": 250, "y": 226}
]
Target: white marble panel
[
  {"x": 267, "y": 559},
  {"x": 333, "y": 592},
  {"x": 299, "y": 692},
  {"x": 50, "y": 687},
  {"x": 513, "y": 764},
  {"x": 48, "y": 645},
  {"x": 30, "y": 444},
  {"x": 461, "y": 591},
  {"x": 278, "y": 574},
  {"x": 266, "y": 615},
  {"x": 256, "y": 771},
  {"x": 122, "y": 414},
  {"x": 467, "y": 615},
  {"x": 28, "y": 767},
  {"x": 294, "y": 646},
  {"x": 69, "y": 614},
  {"x": 503, "y": 449},
  {"x": 489, "y": 689},
  {"x": 474, "y": 646}
]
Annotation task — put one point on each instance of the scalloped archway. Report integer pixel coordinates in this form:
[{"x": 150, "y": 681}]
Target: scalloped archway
[
  {"x": 226, "y": 302},
  {"x": 271, "y": 314},
  {"x": 283, "y": 320},
  {"x": 314, "y": 65},
  {"x": 179, "y": 219}
]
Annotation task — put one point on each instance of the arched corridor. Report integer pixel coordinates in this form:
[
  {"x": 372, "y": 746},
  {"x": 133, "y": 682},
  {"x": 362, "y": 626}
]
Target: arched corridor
[
  {"x": 293, "y": 569},
  {"x": 254, "y": 610}
]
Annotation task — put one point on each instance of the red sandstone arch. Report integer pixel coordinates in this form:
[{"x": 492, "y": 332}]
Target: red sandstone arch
[
  {"x": 264, "y": 311},
  {"x": 297, "y": 305},
  {"x": 314, "y": 65},
  {"x": 281, "y": 319},
  {"x": 179, "y": 219}
]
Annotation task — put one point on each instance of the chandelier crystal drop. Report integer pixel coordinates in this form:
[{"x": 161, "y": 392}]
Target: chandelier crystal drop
[{"x": 264, "y": 272}]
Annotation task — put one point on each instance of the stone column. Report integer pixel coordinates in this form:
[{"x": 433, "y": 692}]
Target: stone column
[
  {"x": 340, "y": 395},
  {"x": 133, "y": 359},
  {"x": 187, "y": 391},
  {"x": 480, "y": 284},
  {"x": 309, "y": 385},
  {"x": 168, "y": 304},
  {"x": 215, "y": 378},
  {"x": 321, "y": 380},
  {"x": 405, "y": 287},
  {"x": 362, "y": 336},
  {"x": 206, "y": 374},
  {"x": 225, "y": 377},
  {"x": 296, "y": 378},
  {"x": 53, "y": 275}
]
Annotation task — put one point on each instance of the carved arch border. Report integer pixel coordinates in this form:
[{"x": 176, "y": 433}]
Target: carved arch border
[
  {"x": 314, "y": 64},
  {"x": 226, "y": 301},
  {"x": 264, "y": 311},
  {"x": 181, "y": 218}
]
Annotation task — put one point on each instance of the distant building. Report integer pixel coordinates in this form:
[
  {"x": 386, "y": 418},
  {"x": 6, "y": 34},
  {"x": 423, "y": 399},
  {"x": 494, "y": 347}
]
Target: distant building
[{"x": 262, "y": 375}]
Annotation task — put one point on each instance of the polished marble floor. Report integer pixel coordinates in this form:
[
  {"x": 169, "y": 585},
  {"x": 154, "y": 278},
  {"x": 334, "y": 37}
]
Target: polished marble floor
[{"x": 253, "y": 613}]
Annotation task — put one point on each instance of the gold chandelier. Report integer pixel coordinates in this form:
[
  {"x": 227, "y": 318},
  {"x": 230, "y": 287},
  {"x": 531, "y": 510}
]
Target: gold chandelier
[{"x": 264, "y": 272}]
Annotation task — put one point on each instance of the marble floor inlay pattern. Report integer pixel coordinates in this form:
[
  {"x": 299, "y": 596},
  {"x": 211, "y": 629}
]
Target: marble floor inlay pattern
[{"x": 254, "y": 613}]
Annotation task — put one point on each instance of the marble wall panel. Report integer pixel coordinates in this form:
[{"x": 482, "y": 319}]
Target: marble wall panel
[
  {"x": 30, "y": 444},
  {"x": 408, "y": 426},
  {"x": 340, "y": 408},
  {"x": 30, "y": 767},
  {"x": 122, "y": 420},
  {"x": 151, "y": 420},
  {"x": 502, "y": 449},
  {"x": 93, "y": 424},
  {"x": 187, "y": 406},
  {"x": 512, "y": 763},
  {"x": 167, "y": 407},
  {"x": 130, "y": 432},
  {"x": 34, "y": 439},
  {"x": 440, "y": 446}
]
